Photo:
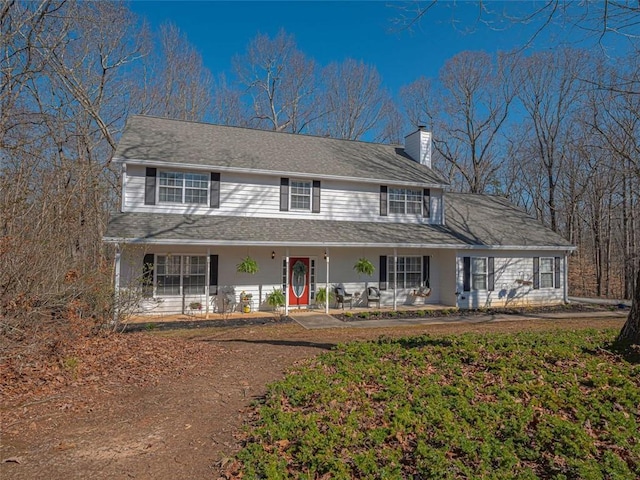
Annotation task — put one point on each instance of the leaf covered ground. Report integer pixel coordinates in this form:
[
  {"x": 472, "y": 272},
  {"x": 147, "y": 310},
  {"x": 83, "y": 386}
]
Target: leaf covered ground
[{"x": 525, "y": 405}]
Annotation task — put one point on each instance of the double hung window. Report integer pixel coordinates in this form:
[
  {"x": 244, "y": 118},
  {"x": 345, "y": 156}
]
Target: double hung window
[
  {"x": 178, "y": 274},
  {"x": 181, "y": 187},
  {"x": 408, "y": 273},
  {"x": 478, "y": 273},
  {"x": 300, "y": 195},
  {"x": 546, "y": 272},
  {"x": 405, "y": 201}
]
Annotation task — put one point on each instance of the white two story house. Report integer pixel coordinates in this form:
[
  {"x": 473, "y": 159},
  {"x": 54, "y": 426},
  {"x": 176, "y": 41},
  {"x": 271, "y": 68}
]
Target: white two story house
[{"x": 198, "y": 198}]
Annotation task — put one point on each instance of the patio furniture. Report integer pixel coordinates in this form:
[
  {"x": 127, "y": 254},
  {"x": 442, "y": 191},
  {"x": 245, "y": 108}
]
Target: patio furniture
[
  {"x": 373, "y": 295},
  {"x": 342, "y": 297},
  {"x": 423, "y": 291}
]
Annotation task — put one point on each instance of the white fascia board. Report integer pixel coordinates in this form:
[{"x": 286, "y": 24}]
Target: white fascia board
[
  {"x": 274, "y": 173},
  {"x": 519, "y": 247},
  {"x": 240, "y": 243}
]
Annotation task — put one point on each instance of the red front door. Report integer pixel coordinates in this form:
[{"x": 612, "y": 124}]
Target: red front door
[{"x": 298, "y": 281}]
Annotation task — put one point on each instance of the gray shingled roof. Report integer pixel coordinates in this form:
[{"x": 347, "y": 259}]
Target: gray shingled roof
[
  {"x": 472, "y": 220},
  {"x": 164, "y": 140}
]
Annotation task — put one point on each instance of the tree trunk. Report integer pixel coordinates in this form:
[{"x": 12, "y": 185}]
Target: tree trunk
[{"x": 630, "y": 333}]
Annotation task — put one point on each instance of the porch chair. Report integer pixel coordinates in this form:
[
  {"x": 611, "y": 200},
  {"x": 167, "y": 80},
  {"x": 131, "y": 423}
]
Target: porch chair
[
  {"x": 373, "y": 295},
  {"x": 342, "y": 297}
]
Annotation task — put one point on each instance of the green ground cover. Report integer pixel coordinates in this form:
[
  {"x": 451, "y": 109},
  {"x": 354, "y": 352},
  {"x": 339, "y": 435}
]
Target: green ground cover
[{"x": 530, "y": 405}]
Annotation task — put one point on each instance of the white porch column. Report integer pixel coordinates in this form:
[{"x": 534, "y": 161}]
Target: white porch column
[
  {"x": 395, "y": 278},
  {"x": 565, "y": 278},
  {"x": 116, "y": 289},
  {"x": 207, "y": 298},
  {"x": 326, "y": 285},
  {"x": 286, "y": 292}
]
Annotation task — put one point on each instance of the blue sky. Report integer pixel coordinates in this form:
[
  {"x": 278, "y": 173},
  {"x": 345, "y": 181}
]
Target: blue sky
[{"x": 363, "y": 30}]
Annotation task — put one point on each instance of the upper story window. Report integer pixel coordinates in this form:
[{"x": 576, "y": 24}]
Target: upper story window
[
  {"x": 300, "y": 195},
  {"x": 405, "y": 200},
  {"x": 180, "y": 187}
]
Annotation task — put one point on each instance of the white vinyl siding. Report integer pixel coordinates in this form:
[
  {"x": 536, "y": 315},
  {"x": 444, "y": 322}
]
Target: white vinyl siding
[
  {"x": 513, "y": 282},
  {"x": 181, "y": 187},
  {"x": 546, "y": 272},
  {"x": 253, "y": 195},
  {"x": 405, "y": 201},
  {"x": 300, "y": 193}
]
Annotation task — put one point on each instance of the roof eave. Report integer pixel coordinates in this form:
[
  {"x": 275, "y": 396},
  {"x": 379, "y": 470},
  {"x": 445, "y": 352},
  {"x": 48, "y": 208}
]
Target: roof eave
[
  {"x": 274, "y": 173},
  {"x": 242, "y": 243}
]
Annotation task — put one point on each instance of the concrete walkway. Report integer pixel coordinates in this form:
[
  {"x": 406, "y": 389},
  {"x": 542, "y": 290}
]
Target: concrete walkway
[{"x": 320, "y": 321}]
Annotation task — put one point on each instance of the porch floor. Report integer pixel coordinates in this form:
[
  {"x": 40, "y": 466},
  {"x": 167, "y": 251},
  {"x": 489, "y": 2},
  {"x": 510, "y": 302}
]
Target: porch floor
[{"x": 294, "y": 312}]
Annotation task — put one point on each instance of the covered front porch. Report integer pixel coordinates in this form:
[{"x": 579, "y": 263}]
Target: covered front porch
[{"x": 205, "y": 282}]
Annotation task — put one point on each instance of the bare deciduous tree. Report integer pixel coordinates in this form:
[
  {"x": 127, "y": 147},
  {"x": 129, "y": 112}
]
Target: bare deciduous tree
[
  {"x": 280, "y": 81},
  {"x": 467, "y": 108},
  {"x": 176, "y": 82},
  {"x": 354, "y": 100}
]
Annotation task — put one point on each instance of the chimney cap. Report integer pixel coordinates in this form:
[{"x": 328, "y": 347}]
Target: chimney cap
[{"x": 421, "y": 127}]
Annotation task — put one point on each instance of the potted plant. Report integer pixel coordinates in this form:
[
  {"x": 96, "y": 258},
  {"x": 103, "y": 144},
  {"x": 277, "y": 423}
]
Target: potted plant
[
  {"x": 247, "y": 265},
  {"x": 276, "y": 299},
  {"x": 322, "y": 298},
  {"x": 195, "y": 306},
  {"x": 364, "y": 267}
]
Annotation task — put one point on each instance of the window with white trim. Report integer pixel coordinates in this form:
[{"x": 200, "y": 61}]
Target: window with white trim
[
  {"x": 300, "y": 192},
  {"x": 408, "y": 274},
  {"x": 178, "y": 274},
  {"x": 478, "y": 273},
  {"x": 182, "y": 187},
  {"x": 546, "y": 272},
  {"x": 405, "y": 200}
]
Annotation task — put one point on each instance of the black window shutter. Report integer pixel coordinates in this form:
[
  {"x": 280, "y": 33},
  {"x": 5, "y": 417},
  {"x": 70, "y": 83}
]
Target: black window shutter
[
  {"x": 556, "y": 272},
  {"x": 491, "y": 278},
  {"x": 383, "y": 272},
  {"x": 214, "y": 201},
  {"x": 426, "y": 203},
  {"x": 147, "y": 274},
  {"x": 426, "y": 266},
  {"x": 150, "y": 186},
  {"x": 536, "y": 273},
  {"x": 466, "y": 281},
  {"x": 383, "y": 200},
  {"x": 284, "y": 194},
  {"x": 213, "y": 274},
  {"x": 315, "y": 204}
]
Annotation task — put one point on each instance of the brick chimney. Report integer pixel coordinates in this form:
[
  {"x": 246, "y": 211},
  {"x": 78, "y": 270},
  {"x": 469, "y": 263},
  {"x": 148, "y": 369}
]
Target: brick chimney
[{"x": 418, "y": 146}]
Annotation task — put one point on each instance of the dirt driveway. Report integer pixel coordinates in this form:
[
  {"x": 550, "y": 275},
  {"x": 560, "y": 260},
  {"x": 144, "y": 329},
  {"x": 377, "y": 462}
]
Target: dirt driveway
[{"x": 184, "y": 427}]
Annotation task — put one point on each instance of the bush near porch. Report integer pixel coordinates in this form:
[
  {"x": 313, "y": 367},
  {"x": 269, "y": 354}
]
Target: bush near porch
[{"x": 531, "y": 405}]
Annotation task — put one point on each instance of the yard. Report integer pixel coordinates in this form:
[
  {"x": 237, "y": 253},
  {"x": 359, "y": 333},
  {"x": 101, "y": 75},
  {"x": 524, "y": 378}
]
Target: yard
[{"x": 173, "y": 405}]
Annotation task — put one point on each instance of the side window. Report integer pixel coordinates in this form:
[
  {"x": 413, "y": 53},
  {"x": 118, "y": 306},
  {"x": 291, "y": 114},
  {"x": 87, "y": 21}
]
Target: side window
[
  {"x": 546, "y": 272},
  {"x": 478, "y": 273}
]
